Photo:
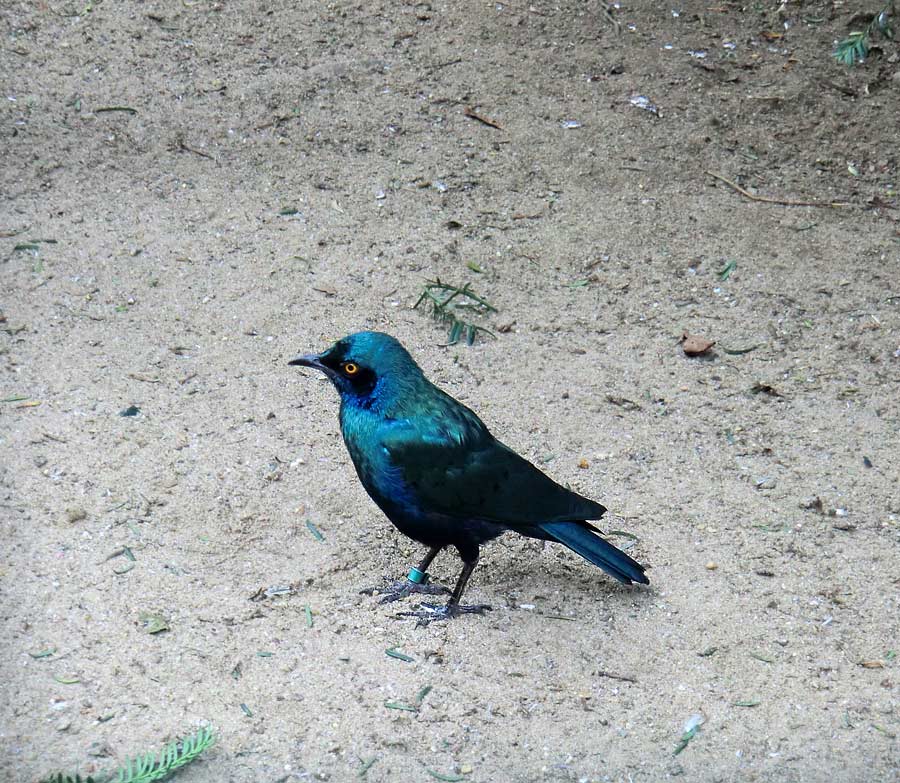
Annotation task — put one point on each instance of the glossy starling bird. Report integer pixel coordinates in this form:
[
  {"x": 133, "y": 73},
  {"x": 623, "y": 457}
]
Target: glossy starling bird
[{"x": 439, "y": 475}]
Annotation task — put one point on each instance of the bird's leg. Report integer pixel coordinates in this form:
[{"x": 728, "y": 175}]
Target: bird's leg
[
  {"x": 416, "y": 582},
  {"x": 428, "y": 613}
]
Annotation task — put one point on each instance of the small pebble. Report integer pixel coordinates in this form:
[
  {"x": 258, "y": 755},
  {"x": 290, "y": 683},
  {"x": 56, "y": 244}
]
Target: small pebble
[
  {"x": 75, "y": 514},
  {"x": 711, "y": 566}
]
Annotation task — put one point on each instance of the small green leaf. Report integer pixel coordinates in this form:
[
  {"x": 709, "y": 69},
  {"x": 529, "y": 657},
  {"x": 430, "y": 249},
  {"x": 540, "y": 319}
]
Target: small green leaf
[
  {"x": 420, "y": 696},
  {"x": 66, "y": 680},
  {"x": 470, "y": 334},
  {"x": 43, "y": 653},
  {"x": 396, "y": 705},
  {"x": 153, "y": 623},
  {"x": 739, "y": 351},
  {"x": 393, "y": 652},
  {"x": 317, "y": 534},
  {"x": 683, "y": 742},
  {"x": 441, "y": 776},
  {"x": 623, "y": 534},
  {"x": 725, "y": 271}
]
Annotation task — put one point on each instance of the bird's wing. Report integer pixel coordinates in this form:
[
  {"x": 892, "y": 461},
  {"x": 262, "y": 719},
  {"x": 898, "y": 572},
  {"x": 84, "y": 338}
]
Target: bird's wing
[{"x": 460, "y": 470}]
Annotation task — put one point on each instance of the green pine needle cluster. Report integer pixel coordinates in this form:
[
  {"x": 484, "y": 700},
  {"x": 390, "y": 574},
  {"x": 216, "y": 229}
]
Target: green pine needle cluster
[
  {"x": 150, "y": 766},
  {"x": 450, "y": 303},
  {"x": 854, "y": 48}
]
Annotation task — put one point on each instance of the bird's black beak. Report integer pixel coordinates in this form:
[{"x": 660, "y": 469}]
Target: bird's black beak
[{"x": 313, "y": 360}]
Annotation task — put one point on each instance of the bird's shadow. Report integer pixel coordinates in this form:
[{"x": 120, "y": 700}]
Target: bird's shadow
[{"x": 533, "y": 569}]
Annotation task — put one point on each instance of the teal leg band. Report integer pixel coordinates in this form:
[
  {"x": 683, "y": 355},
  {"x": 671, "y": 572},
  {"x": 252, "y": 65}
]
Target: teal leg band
[{"x": 416, "y": 576}]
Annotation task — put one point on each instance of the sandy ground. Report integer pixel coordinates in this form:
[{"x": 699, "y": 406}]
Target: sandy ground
[{"x": 289, "y": 172}]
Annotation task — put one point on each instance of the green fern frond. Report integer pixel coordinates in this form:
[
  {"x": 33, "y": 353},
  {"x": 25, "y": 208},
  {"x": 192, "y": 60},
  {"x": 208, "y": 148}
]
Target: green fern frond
[{"x": 150, "y": 766}]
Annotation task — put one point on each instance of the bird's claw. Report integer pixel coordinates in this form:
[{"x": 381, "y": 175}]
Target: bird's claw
[
  {"x": 402, "y": 589},
  {"x": 429, "y": 613}
]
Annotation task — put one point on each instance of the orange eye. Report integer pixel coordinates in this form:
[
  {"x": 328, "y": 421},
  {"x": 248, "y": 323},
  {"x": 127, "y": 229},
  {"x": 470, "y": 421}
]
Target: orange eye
[{"x": 350, "y": 368}]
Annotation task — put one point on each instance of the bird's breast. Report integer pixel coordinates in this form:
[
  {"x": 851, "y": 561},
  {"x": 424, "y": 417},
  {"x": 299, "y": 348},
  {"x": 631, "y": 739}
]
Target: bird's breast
[{"x": 382, "y": 479}]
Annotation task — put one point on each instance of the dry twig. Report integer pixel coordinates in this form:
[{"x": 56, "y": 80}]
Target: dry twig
[{"x": 783, "y": 202}]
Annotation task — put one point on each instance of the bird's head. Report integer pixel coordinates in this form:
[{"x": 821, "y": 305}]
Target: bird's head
[{"x": 366, "y": 368}]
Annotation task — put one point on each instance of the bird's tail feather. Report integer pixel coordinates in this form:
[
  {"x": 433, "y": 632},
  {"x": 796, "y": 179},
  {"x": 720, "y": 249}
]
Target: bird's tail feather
[{"x": 596, "y": 550}]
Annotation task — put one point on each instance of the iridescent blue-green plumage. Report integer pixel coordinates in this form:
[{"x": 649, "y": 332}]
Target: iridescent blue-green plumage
[{"x": 437, "y": 472}]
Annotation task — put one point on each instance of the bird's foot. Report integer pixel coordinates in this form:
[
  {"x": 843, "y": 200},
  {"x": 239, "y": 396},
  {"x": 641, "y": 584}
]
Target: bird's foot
[
  {"x": 402, "y": 589},
  {"x": 429, "y": 613}
]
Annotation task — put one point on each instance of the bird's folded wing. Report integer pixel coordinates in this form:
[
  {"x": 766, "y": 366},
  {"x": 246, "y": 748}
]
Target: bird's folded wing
[{"x": 471, "y": 475}]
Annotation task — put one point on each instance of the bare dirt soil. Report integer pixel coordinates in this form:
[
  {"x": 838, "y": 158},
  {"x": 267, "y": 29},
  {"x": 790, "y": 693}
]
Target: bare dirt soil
[{"x": 192, "y": 193}]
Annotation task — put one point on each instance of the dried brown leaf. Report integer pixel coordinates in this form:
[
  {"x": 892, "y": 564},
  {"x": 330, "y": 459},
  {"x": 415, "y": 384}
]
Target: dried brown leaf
[{"x": 694, "y": 345}]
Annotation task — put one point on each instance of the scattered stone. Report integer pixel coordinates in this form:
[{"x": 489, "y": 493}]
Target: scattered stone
[
  {"x": 75, "y": 514},
  {"x": 813, "y": 504}
]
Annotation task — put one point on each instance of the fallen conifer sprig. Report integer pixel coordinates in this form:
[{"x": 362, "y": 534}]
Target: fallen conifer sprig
[
  {"x": 150, "y": 766},
  {"x": 854, "y": 48}
]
